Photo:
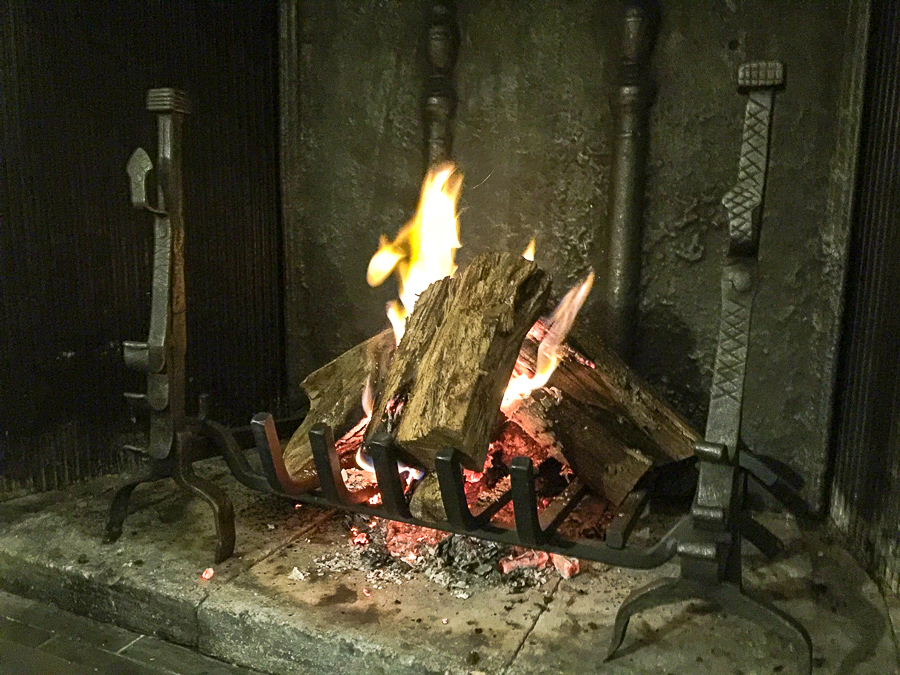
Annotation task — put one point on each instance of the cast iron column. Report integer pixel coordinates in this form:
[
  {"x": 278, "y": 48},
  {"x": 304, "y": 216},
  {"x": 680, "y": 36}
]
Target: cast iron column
[{"x": 626, "y": 188}]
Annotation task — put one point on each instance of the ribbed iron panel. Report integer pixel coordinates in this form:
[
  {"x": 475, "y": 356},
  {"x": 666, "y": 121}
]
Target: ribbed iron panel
[
  {"x": 75, "y": 258},
  {"x": 865, "y": 503}
]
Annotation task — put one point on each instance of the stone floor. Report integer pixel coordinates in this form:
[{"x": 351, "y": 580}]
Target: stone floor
[
  {"x": 40, "y": 639},
  {"x": 272, "y": 608}
]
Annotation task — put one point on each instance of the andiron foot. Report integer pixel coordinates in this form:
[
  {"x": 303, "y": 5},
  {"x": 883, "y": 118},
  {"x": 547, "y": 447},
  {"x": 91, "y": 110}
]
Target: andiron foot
[
  {"x": 157, "y": 469},
  {"x": 726, "y": 596},
  {"x": 178, "y": 465}
]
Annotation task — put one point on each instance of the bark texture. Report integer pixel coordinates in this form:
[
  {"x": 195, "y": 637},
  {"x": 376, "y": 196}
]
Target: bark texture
[{"x": 335, "y": 398}]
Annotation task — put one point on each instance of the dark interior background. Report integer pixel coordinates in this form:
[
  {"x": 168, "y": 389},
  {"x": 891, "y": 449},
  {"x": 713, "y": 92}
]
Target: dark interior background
[
  {"x": 75, "y": 257},
  {"x": 281, "y": 221},
  {"x": 865, "y": 498}
]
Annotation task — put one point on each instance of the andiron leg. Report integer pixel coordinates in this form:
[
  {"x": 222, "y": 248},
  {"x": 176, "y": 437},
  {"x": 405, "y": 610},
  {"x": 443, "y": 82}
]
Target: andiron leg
[
  {"x": 728, "y": 597},
  {"x": 118, "y": 510},
  {"x": 212, "y": 494},
  {"x": 734, "y": 599},
  {"x": 665, "y": 591}
]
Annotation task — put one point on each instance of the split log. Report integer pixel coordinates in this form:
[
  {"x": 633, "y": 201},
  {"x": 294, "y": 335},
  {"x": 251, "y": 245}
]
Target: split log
[
  {"x": 420, "y": 330},
  {"x": 335, "y": 398},
  {"x": 449, "y": 373},
  {"x": 603, "y": 452},
  {"x": 602, "y": 418}
]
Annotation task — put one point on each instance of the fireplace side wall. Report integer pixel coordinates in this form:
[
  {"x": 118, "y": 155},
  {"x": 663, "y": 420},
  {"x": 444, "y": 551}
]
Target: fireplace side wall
[
  {"x": 75, "y": 257},
  {"x": 865, "y": 499},
  {"x": 533, "y": 135}
]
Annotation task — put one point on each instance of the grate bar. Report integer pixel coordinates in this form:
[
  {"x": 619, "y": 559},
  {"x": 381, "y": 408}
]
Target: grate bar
[
  {"x": 524, "y": 496},
  {"x": 328, "y": 466},
  {"x": 452, "y": 483},
  {"x": 562, "y": 505},
  {"x": 390, "y": 484}
]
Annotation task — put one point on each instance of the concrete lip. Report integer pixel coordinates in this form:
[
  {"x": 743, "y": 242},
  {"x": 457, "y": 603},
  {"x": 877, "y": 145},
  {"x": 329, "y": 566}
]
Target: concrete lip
[{"x": 275, "y": 607}]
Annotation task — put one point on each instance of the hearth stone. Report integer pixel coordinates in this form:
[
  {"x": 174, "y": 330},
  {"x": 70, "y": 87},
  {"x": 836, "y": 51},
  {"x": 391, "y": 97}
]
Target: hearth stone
[{"x": 256, "y": 611}]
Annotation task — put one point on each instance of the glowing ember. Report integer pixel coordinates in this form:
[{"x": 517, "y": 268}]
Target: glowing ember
[
  {"x": 566, "y": 566},
  {"x": 445, "y": 620},
  {"x": 528, "y": 558},
  {"x": 298, "y": 505},
  {"x": 366, "y": 592},
  {"x": 208, "y": 573},
  {"x": 359, "y": 538},
  {"x": 425, "y": 249},
  {"x": 558, "y": 326},
  {"x": 409, "y": 542}
]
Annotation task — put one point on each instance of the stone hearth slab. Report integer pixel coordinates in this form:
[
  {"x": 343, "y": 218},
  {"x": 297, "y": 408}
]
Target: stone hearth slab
[
  {"x": 258, "y": 612},
  {"x": 149, "y": 581},
  {"x": 820, "y": 585},
  {"x": 344, "y": 622}
]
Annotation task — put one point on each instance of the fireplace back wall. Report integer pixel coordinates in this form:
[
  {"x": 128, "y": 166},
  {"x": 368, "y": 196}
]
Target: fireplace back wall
[{"x": 533, "y": 135}]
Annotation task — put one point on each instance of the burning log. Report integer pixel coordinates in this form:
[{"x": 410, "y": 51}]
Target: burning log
[
  {"x": 601, "y": 450},
  {"x": 605, "y": 420},
  {"x": 449, "y": 379},
  {"x": 449, "y": 374},
  {"x": 335, "y": 398}
]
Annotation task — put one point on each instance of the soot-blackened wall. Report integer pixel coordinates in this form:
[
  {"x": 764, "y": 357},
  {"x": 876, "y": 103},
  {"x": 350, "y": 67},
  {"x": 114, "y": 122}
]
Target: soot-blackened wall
[{"x": 533, "y": 134}]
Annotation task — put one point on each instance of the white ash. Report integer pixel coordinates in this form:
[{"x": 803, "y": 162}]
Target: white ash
[
  {"x": 464, "y": 564},
  {"x": 458, "y": 563},
  {"x": 296, "y": 575},
  {"x": 355, "y": 559}
]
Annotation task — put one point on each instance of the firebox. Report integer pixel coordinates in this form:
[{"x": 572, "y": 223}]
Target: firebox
[{"x": 607, "y": 362}]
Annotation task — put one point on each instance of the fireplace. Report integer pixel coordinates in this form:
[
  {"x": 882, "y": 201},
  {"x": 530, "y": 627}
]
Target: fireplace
[{"x": 623, "y": 173}]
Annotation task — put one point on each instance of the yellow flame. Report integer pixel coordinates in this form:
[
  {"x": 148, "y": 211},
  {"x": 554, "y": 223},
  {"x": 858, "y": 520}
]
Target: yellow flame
[
  {"x": 528, "y": 253},
  {"x": 549, "y": 353},
  {"x": 368, "y": 397},
  {"x": 425, "y": 249}
]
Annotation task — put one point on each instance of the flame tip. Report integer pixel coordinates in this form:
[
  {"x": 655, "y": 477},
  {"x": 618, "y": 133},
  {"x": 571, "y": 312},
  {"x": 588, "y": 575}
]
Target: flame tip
[
  {"x": 549, "y": 354},
  {"x": 425, "y": 248},
  {"x": 529, "y": 251}
]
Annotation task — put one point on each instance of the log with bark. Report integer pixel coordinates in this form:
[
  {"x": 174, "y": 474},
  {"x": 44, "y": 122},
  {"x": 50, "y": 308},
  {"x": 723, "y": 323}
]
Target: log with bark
[
  {"x": 448, "y": 375},
  {"x": 608, "y": 423},
  {"x": 335, "y": 398}
]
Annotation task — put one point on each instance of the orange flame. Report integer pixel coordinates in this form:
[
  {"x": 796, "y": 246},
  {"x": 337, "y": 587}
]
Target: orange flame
[
  {"x": 425, "y": 249},
  {"x": 558, "y": 326},
  {"x": 528, "y": 253}
]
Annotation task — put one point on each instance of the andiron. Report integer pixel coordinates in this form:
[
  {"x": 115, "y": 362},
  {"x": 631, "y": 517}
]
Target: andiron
[
  {"x": 710, "y": 550},
  {"x": 174, "y": 440}
]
